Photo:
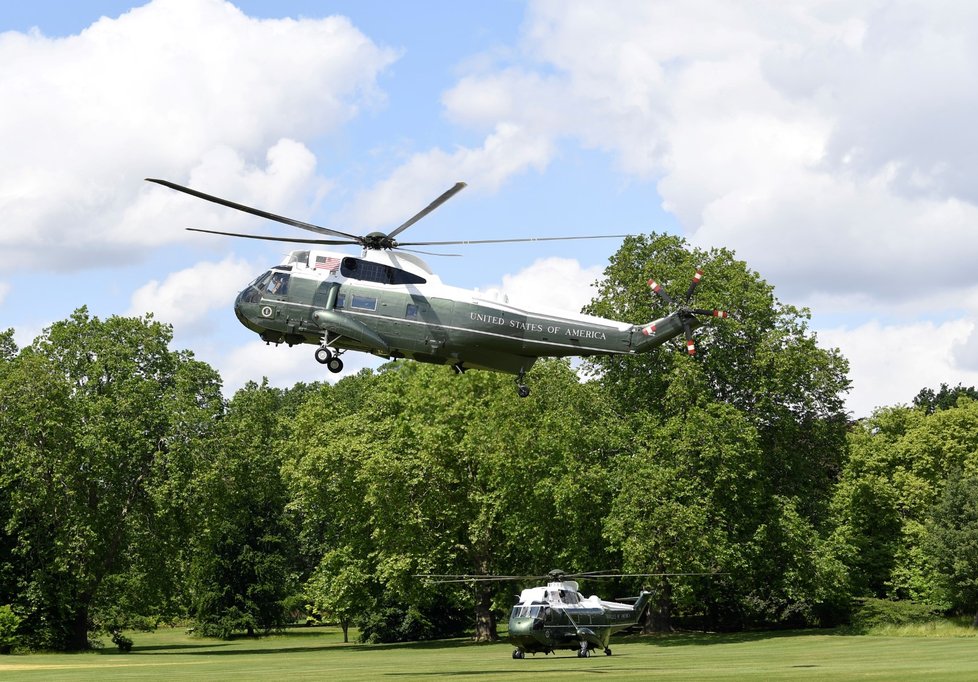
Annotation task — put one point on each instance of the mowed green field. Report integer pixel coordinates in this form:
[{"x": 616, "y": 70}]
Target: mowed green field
[{"x": 318, "y": 653}]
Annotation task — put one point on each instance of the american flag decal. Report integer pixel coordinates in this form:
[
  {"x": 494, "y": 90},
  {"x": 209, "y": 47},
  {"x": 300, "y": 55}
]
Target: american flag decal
[{"x": 327, "y": 263}]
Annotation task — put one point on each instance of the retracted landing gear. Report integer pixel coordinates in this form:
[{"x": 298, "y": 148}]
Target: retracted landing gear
[
  {"x": 522, "y": 390},
  {"x": 330, "y": 358}
]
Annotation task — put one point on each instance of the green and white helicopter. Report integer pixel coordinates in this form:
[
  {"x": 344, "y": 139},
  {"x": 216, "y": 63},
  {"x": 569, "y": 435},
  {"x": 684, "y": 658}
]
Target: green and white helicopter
[
  {"x": 557, "y": 616},
  {"x": 390, "y": 303}
]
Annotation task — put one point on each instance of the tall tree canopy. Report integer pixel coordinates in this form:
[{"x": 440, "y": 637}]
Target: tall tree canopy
[
  {"x": 85, "y": 418},
  {"x": 436, "y": 473},
  {"x": 760, "y": 396}
]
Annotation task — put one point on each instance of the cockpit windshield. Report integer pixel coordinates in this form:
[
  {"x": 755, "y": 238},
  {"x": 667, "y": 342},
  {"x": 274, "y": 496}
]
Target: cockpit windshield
[
  {"x": 520, "y": 611},
  {"x": 272, "y": 283}
]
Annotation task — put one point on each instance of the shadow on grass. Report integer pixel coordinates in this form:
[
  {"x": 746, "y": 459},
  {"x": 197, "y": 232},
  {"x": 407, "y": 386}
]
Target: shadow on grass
[
  {"x": 712, "y": 638},
  {"x": 303, "y": 643},
  {"x": 267, "y": 645}
]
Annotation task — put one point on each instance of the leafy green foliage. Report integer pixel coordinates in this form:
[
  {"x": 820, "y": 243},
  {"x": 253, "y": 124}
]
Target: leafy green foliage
[
  {"x": 943, "y": 399},
  {"x": 902, "y": 461},
  {"x": 242, "y": 558},
  {"x": 739, "y": 447},
  {"x": 86, "y": 411},
  {"x": 873, "y": 613},
  {"x": 9, "y": 623},
  {"x": 132, "y": 493},
  {"x": 952, "y": 541}
]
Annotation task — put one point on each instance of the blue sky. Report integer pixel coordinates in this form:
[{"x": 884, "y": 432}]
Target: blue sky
[{"x": 832, "y": 146}]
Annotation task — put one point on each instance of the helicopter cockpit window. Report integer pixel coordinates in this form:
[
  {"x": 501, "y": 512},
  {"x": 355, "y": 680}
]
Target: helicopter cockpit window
[
  {"x": 356, "y": 268},
  {"x": 255, "y": 290},
  {"x": 525, "y": 611},
  {"x": 279, "y": 284}
]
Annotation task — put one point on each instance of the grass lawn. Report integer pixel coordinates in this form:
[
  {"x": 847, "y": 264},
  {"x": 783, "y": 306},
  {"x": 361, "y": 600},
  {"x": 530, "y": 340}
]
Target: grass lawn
[{"x": 319, "y": 653}]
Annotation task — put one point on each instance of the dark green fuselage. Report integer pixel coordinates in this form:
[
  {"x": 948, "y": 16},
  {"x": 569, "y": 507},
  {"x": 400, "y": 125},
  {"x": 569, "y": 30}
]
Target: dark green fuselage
[{"x": 426, "y": 321}]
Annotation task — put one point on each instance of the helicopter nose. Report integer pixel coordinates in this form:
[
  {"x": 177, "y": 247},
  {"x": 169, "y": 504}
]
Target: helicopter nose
[{"x": 241, "y": 309}]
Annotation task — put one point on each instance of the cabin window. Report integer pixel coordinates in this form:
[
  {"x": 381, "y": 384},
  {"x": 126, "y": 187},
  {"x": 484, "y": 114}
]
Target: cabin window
[
  {"x": 356, "y": 268},
  {"x": 411, "y": 312},
  {"x": 363, "y": 302},
  {"x": 340, "y": 299}
]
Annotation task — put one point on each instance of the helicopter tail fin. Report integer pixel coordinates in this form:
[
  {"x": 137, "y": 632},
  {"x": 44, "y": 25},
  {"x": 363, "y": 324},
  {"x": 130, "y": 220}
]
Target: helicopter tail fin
[{"x": 642, "y": 603}]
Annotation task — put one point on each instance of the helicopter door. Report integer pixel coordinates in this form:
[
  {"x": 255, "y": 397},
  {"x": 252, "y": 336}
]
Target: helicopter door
[{"x": 438, "y": 317}]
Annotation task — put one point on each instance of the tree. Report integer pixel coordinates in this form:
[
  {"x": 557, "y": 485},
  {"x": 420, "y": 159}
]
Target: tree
[
  {"x": 782, "y": 428},
  {"x": 764, "y": 362},
  {"x": 8, "y": 348},
  {"x": 946, "y": 398},
  {"x": 243, "y": 557},
  {"x": 952, "y": 542},
  {"x": 85, "y": 418},
  {"x": 431, "y": 472},
  {"x": 901, "y": 462}
]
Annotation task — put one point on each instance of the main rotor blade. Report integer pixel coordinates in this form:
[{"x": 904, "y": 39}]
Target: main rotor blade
[
  {"x": 448, "y": 194},
  {"x": 294, "y": 240},
  {"x": 450, "y": 578},
  {"x": 513, "y": 241},
  {"x": 255, "y": 211},
  {"x": 640, "y": 575}
]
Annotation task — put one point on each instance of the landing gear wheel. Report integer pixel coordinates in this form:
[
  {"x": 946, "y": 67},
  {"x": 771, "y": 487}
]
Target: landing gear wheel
[
  {"x": 584, "y": 651},
  {"x": 334, "y": 365},
  {"x": 523, "y": 390},
  {"x": 607, "y": 652},
  {"x": 323, "y": 355},
  {"x": 518, "y": 654}
]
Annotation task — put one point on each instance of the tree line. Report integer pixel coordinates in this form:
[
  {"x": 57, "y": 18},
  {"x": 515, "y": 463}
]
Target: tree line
[{"x": 132, "y": 493}]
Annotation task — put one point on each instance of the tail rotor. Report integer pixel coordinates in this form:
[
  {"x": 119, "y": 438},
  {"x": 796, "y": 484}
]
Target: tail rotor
[{"x": 687, "y": 315}]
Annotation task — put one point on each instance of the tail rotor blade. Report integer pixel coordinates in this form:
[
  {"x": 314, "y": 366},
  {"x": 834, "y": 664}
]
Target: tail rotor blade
[
  {"x": 692, "y": 285},
  {"x": 660, "y": 292},
  {"x": 690, "y": 343},
  {"x": 722, "y": 314}
]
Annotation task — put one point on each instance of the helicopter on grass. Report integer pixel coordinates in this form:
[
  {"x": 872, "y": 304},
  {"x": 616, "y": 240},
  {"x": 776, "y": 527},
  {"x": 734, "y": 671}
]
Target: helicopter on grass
[
  {"x": 557, "y": 616},
  {"x": 389, "y": 302}
]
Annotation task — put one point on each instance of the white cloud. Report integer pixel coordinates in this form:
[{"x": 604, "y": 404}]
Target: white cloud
[
  {"x": 829, "y": 145},
  {"x": 889, "y": 364},
  {"x": 187, "y": 299},
  {"x": 176, "y": 89},
  {"x": 509, "y": 150},
  {"x": 557, "y": 283},
  {"x": 283, "y": 366}
]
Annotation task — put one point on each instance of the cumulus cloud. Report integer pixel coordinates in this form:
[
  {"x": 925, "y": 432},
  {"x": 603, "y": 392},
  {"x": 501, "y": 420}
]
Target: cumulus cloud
[
  {"x": 889, "y": 364},
  {"x": 283, "y": 366},
  {"x": 175, "y": 89},
  {"x": 188, "y": 298},
  {"x": 831, "y": 147},
  {"x": 508, "y": 150},
  {"x": 557, "y": 283}
]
